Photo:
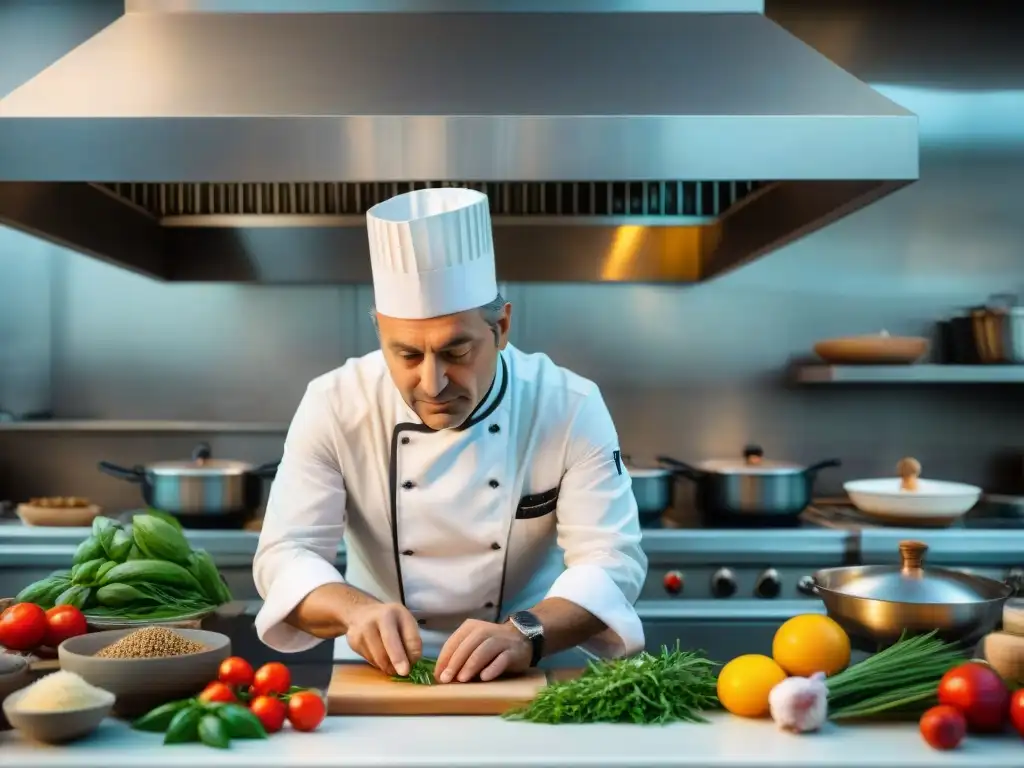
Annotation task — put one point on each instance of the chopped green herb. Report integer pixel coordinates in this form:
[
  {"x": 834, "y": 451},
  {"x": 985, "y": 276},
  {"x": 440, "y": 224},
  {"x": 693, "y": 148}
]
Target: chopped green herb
[
  {"x": 645, "y": 689},
  {"x": 421, "y": 673}
]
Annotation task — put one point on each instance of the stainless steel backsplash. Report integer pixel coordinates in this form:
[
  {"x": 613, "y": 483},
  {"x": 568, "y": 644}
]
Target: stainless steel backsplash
[{"x": 690, "y": 371}]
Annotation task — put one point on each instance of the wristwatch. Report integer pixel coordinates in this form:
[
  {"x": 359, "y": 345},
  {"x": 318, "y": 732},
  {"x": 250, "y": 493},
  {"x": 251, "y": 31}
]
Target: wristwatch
[{"x": 531, "y": 628}]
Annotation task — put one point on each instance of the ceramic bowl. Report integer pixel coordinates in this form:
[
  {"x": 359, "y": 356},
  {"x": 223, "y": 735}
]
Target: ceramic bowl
[
  {"x": 14, "y": 675},
  {"x": 142, "y": 684},
  {"x": 56, "y": 727},
  {"x": 934, "y": 502}
]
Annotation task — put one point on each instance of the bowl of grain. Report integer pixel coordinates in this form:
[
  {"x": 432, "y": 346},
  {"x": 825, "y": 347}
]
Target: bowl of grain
[
  {"x": 146, "y": 667},
  {"x": 58, "y": 708}
]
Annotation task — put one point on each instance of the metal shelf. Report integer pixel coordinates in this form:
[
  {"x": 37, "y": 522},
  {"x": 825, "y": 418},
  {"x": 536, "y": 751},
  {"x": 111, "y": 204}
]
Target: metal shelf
[
  {"x": 908, "y": 374},
  {"x": 144, "y": 425}
]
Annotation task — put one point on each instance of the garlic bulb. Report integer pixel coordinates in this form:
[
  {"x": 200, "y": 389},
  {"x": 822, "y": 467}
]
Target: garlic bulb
[{"x": 800, "y": 704}]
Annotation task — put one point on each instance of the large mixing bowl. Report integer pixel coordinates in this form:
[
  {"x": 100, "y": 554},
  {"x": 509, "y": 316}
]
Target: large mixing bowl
[{"x": 876, "y": 604}]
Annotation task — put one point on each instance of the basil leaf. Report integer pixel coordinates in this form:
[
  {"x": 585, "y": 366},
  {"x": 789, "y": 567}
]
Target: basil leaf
[
  {"x": 184, "y": 727},
  {"x": 159, "y": 720},
  {"x": 213, "y": 733},
  {"x": 241, "y": 723}
]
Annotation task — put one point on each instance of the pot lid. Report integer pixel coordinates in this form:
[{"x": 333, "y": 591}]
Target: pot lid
[
  {"x": 752, "y": 462},
  {"x": 911, "y": 582},
  {"x": 639, "y": 473},
  {"x": 199, "y": 467},
  {"x": 202, "y": 464}
]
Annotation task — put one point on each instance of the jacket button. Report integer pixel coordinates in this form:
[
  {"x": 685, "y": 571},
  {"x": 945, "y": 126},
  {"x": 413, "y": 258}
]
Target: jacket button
[
  {"x": 408, "y": 485},
  {"x": 405, "y": 441},
  {"x": 494, "y": 429},
  {"x": 495, "y": 546},
  {"x": 407, "y": 553},
  {"x": 488, "y": 605},
  {"x": 493, "y": 483}
]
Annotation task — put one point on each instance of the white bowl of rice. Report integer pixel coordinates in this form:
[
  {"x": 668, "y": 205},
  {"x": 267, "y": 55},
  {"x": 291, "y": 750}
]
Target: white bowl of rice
[{"x": 58, "y": 708}]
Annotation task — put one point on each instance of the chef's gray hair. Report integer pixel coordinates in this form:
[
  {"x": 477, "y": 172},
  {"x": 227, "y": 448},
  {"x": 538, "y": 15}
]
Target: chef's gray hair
[{"x": 492, "y": 313}]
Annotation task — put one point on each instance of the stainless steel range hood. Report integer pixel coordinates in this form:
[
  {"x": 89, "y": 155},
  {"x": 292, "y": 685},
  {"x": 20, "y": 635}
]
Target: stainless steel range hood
[{"x": 244, "y": 140}]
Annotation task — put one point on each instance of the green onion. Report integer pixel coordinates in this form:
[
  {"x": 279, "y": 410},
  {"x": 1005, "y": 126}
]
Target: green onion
[{"x": 902, "y": 678}]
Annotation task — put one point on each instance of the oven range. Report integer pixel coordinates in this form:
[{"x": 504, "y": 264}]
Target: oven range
[{"x": 726, "y": 591}]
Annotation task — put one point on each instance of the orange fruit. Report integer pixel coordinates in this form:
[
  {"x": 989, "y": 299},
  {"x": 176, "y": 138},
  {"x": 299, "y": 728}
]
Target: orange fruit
[
  {"x": 811, "y": 643},
  {"x": 745, "y": 682}
]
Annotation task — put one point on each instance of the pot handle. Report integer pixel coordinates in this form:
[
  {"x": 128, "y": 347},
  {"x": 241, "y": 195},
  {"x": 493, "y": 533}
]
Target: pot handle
[
  {"x": 201, "y": 452},
  {"x": 681, "y": 468},
  {"x": 814, "y": 468},
  {"x": 266, "y": 471},
  {"x": 133, "y": 475}
]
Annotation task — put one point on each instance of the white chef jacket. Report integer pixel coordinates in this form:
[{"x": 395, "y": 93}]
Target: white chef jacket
[{"x": 528, "y": 499}]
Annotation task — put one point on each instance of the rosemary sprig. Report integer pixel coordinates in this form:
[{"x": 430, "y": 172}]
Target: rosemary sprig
[
  {"x": 645, "y": 689},
  {"x": 421, "y": 673},
  {"x": 903, "y": 677}
]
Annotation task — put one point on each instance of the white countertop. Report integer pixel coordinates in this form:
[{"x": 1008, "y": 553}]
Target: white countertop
[{"x": 456, "y": 742}]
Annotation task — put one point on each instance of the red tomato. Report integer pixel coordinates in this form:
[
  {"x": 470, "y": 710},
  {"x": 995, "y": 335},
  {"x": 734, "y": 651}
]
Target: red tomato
[
  {"x": 272, "y": 678},
  {"x": 306, "y": 710},
  {"x": 217, "y": 691},
  {"x": 943, "y": 727},
  {"x": 62, "y": 622},
  {"x": 1017, "y": 711},
  {"x": 270, "y": 710},
  {"x": 979, "y": 693},
  {"x": 235, "y": 671},
  {"x": 22, "y": 627}
]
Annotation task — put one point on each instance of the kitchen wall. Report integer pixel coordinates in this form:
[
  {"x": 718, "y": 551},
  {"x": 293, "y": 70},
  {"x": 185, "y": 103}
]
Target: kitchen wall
[{"x": 694, "y": 371}]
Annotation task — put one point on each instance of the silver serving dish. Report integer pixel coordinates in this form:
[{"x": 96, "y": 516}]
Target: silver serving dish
[{"x": 876, "y": 604}]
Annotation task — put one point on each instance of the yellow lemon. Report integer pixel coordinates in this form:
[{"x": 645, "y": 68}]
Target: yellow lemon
[
  {"x": 745, "y": 682},
  {"x": 811, "y": 643}
]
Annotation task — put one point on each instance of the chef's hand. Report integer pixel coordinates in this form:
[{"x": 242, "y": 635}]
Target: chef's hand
[
  {"x": 387, "y": 636},
  {"x": 480, "y": 648}
]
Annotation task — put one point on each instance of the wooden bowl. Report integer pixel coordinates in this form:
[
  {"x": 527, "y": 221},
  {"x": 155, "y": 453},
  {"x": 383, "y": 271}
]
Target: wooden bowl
[
  {"x": 142, "y": 684},
  {"x": 58, "y": 517},
  {"x": 878, "y": 349}
]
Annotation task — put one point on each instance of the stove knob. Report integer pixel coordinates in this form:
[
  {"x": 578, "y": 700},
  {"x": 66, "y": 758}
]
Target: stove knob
[
  {"x": 806, "y": 586},
  {"x": 768, "y": 584},
  {"x": 673, "y": 582},
  {"x": 723, "y": 583}
]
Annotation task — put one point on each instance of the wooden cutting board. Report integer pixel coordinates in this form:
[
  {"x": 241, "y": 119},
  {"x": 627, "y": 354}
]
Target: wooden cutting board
[{"x": 359, "y": 689}]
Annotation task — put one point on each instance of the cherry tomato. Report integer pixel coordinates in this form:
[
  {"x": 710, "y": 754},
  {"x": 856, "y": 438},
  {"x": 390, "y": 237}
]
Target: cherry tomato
[
  {"x": 217, "y": 691},
  {"x": 270, "y": 710},
  {"x": 235, "y": 671},
  {"x": 979, "y": 693},
  {"x": 1017, "y": 710},
  {"x": 943, "y": 727},
  {"x": 22, "y": 627},
  {"x": 306, "y": 710},
  {"x": 62, "y": 622},
  {"x": 272, "y": 678}
]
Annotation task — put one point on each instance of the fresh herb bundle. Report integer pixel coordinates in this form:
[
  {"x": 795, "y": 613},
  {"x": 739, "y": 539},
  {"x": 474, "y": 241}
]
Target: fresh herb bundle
[
  {"x": 904, "y": 678},
  {"x": 644, "y": 689},
  {"x": 420, "y": 673}
]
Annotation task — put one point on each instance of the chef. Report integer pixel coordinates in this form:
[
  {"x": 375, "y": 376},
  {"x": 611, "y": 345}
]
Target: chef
[{"x": 488, "y": 517}]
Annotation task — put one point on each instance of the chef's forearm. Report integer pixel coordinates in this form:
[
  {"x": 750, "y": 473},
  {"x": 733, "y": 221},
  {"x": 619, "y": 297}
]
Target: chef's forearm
[
  {"x": 566, "y": 624},
  {"x": 326, "y": 611}
]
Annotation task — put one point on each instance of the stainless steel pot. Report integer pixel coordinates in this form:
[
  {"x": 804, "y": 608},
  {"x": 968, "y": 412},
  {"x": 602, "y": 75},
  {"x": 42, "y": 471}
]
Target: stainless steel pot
[
  {"x": 751, "y": 486},
  {"x": 201, "y": 486},
  {"x": 654, "y": 490},
  {"x": 876, "y": 603}
]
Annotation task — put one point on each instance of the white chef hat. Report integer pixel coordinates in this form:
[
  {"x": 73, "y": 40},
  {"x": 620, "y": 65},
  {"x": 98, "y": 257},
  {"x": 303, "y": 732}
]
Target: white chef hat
[{"x": 431, "y": 252}]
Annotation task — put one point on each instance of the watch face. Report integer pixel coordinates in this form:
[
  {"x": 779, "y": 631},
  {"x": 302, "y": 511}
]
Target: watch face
[{"x": 527, "y": 623}]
